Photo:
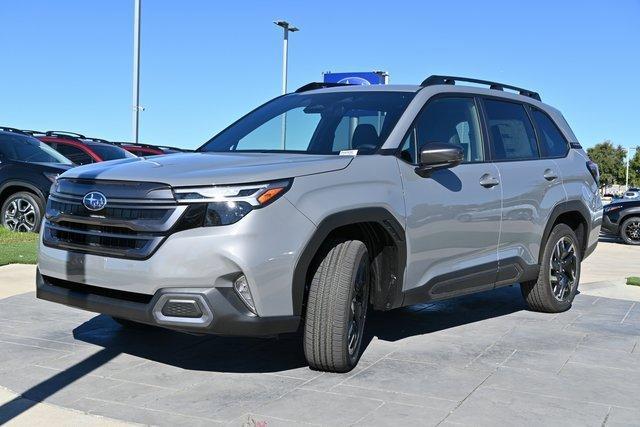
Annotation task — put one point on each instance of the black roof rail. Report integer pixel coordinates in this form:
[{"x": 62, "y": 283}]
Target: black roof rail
[
  {"x": 13, "y": 130},
  {"x": 320, "y": 85},
  {"x": 32, "y": 132},
  {"x": 451, "y": 80},
  {"x": 104, "y": 141},
  {"x": 65, "y": 134}
]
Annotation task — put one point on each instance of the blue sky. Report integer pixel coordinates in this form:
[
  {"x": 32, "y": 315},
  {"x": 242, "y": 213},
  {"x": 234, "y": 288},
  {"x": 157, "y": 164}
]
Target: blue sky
[{"x": 67, "y": 63}]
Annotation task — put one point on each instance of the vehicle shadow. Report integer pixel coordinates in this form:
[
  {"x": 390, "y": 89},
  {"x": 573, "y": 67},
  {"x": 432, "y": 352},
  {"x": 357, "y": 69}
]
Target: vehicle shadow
[
  {"x": 255, "y": 355},
  {"x": 252, "y": 355}
]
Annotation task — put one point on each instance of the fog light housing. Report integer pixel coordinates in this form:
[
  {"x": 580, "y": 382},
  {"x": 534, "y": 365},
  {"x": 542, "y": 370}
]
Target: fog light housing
[{"x": 241, "y": 286}]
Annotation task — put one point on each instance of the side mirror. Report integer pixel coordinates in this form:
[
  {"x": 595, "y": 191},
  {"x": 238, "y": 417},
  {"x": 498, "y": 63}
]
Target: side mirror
[{"x": 438, "y": 155}]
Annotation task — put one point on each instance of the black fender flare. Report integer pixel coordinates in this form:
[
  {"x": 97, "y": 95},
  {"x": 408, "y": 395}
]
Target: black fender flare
[
  {"x": 353, "y": 216},
  {"x": 626, "y": 213},
  {"x": 25, "y": 185},
  {"x": 561, "y": 208}
]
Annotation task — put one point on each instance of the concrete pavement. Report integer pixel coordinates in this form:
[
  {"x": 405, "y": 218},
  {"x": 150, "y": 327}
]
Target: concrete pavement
[
  {"x": 605, "y": 272},
  {"x": 477, "y": 360}
]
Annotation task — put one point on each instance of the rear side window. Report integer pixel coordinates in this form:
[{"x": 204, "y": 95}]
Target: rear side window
[
  {"x": 510, "y": 130},
  {"x": 552, "y": 142},
  {"x": 74, "y": 154}
]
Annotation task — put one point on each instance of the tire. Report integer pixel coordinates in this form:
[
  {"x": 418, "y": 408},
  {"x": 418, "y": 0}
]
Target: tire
[
  {"x": 337, "y": 307},
  {"x": 553, "y": 292},
  {"x": 630, "y": 230},
  {"x": 22, "y": 211}
]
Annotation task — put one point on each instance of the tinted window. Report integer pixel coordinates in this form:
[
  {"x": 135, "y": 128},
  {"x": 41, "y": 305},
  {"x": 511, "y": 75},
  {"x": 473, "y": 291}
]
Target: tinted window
[
  {"x": 110, "y": 152},
  {"x": 28, "y": 149},
  {"x": 451, "y": 120},
  {"x": 316, "y": 123},
  {"x": 511, "y": 131},
  {"x": 74, "y": 154},
  {"x": 552, "y": 142}
]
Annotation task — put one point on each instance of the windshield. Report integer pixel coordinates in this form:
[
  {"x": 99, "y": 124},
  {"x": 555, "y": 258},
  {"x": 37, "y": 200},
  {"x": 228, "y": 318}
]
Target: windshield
[
  {"x": 28, "y": 149},
  {"x": 110, "y": 152},
  {"x": 321, "y": 123}
]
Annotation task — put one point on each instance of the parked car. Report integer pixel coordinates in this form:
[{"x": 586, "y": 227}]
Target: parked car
[
  {"x": 262, "y": 232},
  {"x": 622, "y": 218},
  {"x": 142, "y": 150},
  {"x": 82, "y": 150},
  {"x": 28, "y": 167},
  {"x": 632, "y": 193}
]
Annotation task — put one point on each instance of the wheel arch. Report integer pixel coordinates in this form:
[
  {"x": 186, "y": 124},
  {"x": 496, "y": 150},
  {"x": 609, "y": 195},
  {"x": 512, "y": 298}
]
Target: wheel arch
[
  {"x": 11, "y": 187},
  {"x": 376, "y": 226},
  {"x": 628, "y": 213},
  {"x": 573, "y": 213}
]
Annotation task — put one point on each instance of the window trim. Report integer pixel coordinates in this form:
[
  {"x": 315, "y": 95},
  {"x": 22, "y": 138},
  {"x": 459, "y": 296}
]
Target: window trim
[
  {"x": 539, "y": 132},
  {"x": 525, "y": 106},
  {"x": 483, "y": 133}
]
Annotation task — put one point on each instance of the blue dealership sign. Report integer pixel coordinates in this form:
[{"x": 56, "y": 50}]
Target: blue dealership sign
[{"x": 358, "y": 78}]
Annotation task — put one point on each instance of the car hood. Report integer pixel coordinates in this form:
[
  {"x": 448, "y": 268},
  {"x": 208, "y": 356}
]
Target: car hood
[
  {"x": 49, "y": 167},
  {"x": 187, "y": 169}
]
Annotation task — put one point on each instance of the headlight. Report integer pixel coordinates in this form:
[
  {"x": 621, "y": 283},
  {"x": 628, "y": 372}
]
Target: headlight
[
  {"x": 228, "y": 204},
  {"x": 612, "y": 208},
  {"x": 257, "y": 195},
  {"x": 51, "y": 176}
]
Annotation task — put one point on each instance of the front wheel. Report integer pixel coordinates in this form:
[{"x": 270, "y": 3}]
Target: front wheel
[
  {"x": 557, "y": 282},
  {"x": 22, "y": 212},
  {"x": 337, "y": 307},
  {"x": 630, "y": 230}
]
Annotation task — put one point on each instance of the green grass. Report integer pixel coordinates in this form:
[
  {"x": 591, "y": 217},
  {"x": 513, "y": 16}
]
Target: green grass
[
  {"x": 633, "y": 281},
  {"x": 17, "y": 248}
]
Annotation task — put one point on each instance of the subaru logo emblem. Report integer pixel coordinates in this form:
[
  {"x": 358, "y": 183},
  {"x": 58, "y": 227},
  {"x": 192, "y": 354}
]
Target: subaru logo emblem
[{"x": 94, "y": 201}]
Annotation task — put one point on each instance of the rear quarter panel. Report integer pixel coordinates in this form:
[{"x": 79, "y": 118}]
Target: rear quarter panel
[{"x": 580, "y": 186}]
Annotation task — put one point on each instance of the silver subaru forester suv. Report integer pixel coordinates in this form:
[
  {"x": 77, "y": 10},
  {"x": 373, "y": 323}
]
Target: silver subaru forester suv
[{"x": 325, "y": 203}]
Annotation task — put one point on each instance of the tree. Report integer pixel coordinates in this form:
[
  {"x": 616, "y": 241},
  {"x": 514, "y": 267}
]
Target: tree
[{"x": 611, "y": 162}]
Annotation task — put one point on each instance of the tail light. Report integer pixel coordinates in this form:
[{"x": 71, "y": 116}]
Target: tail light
[{"x": 595, "y": 171}]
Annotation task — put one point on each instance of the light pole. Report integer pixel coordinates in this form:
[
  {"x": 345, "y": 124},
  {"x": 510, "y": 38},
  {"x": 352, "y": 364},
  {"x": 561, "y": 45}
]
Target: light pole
[
  {"x": 136, "y": 68},
  {"x": 286, "y": 27},
  {"x": 628, "y": 161}
]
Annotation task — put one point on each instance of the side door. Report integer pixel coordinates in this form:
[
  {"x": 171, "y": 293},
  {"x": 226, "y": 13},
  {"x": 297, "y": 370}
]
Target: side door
[
  {"x": 531, "y": 187},
  {"x": 453, "y": 215}
]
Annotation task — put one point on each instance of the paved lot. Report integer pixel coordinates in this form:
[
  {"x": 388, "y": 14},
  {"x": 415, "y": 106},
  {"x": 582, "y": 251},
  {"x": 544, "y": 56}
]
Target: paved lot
[{"x": 478, "y": 360}]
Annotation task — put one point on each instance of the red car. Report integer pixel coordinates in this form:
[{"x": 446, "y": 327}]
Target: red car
[{"x": 80, "y": 149}]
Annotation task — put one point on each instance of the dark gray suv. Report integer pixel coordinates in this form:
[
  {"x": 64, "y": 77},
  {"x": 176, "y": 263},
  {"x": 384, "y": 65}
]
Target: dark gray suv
[{"x": 324, "y": 203}]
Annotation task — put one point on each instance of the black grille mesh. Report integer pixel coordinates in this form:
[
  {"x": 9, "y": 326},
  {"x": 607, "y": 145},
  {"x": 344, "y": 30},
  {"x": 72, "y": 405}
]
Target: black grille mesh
[{"x": 113, "y": 213}]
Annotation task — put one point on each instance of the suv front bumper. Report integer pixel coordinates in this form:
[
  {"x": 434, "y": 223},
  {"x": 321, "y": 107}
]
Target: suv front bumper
[{"x": 222, "y": 312}]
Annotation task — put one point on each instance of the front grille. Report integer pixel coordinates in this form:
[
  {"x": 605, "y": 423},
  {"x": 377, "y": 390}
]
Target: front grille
[
  {"x": 97, "y": 241},
  {"x": 115, "y": 213},
  {"x": 125, "y": 228}
]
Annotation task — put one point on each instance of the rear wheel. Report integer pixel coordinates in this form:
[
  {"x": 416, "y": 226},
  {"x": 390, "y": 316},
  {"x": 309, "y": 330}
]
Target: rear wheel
[
  {"x": 22, "y": 212},
  {"x": 630, "y": 230},
  {"x": 337, "y": 308},
  {"x": 557, "y": 282}
]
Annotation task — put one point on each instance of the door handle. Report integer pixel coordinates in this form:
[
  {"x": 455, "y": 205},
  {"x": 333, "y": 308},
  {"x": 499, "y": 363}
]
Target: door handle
[
  {"x": 488, "y": 181},
  {"x": 550, "y": 175}
]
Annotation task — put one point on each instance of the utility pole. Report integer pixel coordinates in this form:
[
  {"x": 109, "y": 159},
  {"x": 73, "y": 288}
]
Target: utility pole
[
  {"x": 628, "y": 161},
  {"x": 286, "y": 27},
  {"x": 136, "y": 68}
]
